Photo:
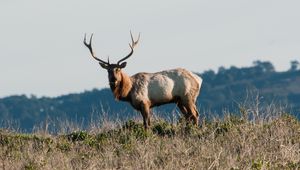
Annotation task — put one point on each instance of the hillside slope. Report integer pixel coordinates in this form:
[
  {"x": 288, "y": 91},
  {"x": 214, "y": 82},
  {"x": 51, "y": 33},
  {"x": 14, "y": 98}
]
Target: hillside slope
[{"x": 232, "y": 143}]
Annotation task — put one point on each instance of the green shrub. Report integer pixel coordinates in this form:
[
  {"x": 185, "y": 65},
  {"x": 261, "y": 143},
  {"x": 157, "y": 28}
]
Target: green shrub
[
  {"x": 77, "y": 136},
  {"x": 163, "y": 128}
]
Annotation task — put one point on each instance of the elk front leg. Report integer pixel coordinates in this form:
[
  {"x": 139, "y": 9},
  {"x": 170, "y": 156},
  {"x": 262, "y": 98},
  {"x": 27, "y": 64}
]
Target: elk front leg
[{"x": 145, "y": 110}]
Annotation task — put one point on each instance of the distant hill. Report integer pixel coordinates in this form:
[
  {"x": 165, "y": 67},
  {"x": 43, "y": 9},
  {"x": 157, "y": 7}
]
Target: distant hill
[{"x": 222, "y": 90}]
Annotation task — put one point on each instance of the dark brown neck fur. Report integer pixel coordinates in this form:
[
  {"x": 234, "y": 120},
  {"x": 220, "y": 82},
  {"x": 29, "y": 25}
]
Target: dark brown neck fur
[{"x": 121, "y": 92}]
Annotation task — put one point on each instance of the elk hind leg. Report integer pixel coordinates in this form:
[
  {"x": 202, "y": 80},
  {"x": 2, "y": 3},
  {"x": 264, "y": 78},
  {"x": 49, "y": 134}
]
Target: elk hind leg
[
  {"x": 193, "y": 113},
  {"x": 184, "y": 111},
  {"x": 182, "y": 108}
]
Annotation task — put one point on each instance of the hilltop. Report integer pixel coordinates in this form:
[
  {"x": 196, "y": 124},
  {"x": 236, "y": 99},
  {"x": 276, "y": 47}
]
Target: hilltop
[{"x": 231, "y": 143}]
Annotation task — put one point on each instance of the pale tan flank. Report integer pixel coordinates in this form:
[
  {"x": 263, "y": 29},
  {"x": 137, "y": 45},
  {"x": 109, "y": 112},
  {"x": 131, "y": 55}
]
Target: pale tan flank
[{"x": 146, "y": 90}]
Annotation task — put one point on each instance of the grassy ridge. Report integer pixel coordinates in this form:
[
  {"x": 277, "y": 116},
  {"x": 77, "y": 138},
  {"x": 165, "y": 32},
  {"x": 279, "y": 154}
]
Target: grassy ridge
[{"x": 230, "y": 143}]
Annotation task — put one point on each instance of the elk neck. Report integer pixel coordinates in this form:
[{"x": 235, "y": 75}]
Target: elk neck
[{"x": 121, "y": 92}]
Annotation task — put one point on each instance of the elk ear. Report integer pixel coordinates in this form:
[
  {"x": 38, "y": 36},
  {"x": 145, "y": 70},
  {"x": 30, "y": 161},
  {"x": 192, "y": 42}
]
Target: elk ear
[
  {"x": 105, "y": 66},
  {"x": 123, "y": 65}
]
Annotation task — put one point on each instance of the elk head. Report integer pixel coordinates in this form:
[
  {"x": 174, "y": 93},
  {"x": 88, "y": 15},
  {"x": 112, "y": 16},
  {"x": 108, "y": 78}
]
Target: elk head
[{"x": 114, "y": 70}]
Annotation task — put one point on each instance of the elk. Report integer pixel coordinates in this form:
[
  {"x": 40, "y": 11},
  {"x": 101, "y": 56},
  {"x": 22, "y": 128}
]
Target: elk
[{"x": 146, "y": 90}]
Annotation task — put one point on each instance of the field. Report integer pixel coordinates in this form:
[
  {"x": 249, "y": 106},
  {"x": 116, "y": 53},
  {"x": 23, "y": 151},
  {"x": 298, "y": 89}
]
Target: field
[{"x": 233, "y": 142}]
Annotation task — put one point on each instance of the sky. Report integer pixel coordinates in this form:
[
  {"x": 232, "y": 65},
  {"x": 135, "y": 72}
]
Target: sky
[{"x": 42, "y": 51}]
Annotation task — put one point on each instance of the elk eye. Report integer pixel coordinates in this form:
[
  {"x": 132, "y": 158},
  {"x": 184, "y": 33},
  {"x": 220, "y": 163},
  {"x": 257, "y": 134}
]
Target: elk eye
[{"x": 118, "y": 69}]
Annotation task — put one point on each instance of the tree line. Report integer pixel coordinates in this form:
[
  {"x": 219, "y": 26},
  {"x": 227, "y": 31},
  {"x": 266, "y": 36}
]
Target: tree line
[{"x": 221, "y": 90}]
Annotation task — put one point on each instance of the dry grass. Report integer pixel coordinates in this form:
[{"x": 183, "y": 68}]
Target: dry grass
[{"x": 230, "y": 143}]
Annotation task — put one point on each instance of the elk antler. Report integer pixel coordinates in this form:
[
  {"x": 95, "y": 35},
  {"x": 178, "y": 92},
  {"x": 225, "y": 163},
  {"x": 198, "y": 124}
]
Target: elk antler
[
  {"x": 132, "y": 45},
  {"x": 89, "y": 46}
]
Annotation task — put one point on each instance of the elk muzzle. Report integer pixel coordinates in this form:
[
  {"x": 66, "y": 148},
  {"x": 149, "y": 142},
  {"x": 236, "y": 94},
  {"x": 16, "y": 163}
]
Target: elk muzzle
[{"x": 113, "y": 84}]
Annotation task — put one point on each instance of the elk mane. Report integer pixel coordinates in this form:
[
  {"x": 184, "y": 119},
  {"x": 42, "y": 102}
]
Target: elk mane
[{"x": 124, "y": 87}]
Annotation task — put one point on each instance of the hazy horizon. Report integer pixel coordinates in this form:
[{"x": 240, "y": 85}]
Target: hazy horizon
[{"x": 42, "y": 53}]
